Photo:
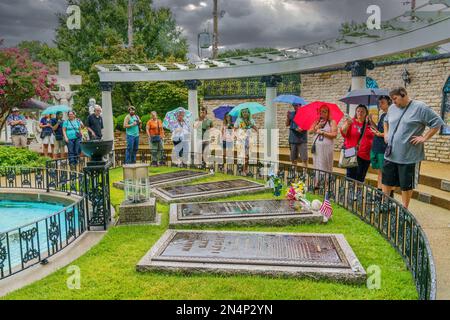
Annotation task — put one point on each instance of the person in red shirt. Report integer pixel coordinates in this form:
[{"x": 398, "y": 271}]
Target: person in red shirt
[{"x": 352, "y": 131}]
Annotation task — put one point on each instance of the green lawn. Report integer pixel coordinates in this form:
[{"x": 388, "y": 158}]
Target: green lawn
[{"x": 108, "y": 270}]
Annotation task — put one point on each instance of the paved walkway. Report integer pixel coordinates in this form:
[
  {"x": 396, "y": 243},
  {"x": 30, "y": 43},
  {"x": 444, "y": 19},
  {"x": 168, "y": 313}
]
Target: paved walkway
[{"x": 436, "y": 223}]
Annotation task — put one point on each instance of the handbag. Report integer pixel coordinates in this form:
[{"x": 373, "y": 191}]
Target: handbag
[
  {"x": 349, "y": 157},
  {"x": 388, "y": 150},
  {"x": 77, "y": 133}
]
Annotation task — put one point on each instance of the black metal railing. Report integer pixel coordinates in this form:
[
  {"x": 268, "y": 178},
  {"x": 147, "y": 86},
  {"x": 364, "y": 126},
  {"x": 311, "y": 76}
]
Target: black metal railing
[
  {"x": 393, "y": 221},
  {"x": 28, "y": 245}
]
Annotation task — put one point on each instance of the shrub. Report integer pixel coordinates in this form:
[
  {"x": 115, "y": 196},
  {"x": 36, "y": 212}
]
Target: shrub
[
  {"x": 144, "y": 120},
  {"x": 120, "y": 120},
  {"x": 13, "y": 157}
]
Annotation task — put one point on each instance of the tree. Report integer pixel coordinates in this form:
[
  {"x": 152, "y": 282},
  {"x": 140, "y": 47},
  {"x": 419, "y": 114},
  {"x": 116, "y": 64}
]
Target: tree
[
  {"x": 42, "y": 52},
  {"x": 21, "y": 79},
  {"x": 103, "y": 21}
]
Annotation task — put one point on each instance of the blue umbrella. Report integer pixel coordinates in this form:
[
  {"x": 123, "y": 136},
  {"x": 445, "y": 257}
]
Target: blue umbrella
[
  {"x": 291, "y": 99},
  {"x": 364, "y": 96},
  {"x": 56, "y": 109},
  {"x": 253, "y": 108},
  {"x": 221, "y": 111}
]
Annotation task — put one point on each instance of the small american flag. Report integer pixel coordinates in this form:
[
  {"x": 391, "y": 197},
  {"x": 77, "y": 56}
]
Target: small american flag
[{"x": 326, "y": 208}]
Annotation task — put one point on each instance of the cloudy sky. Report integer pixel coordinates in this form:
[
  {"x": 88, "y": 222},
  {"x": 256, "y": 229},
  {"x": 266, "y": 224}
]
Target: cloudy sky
[{"x": 245, "y": 23}]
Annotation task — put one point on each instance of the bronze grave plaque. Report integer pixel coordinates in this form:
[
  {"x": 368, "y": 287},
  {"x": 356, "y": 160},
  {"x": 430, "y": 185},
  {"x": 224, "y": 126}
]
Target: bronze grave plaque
[
  {"x": 270, "y": 212},
  {"x": 296, "y": 254},
  {"x": 208, "y": 190}
]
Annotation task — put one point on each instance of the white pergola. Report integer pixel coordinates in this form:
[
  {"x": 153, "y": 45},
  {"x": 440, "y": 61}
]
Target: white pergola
[{"x": 411, "y": 31}]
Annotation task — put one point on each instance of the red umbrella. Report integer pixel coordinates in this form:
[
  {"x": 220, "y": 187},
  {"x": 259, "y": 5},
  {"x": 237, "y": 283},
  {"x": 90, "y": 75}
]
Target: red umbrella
[{"x": 307, "y": 115}]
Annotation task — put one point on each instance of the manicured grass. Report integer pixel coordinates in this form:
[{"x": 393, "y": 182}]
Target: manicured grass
[{"x": 108, "y": 270}]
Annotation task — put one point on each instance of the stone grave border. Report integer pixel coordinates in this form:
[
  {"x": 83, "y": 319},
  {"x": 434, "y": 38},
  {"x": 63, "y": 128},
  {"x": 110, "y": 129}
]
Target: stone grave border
[
  {"x": 165, "y": 198},
  {"x": 354, "y": 274},
  {"x": 245, "y": 220},
  {"x": 121, "y": 186}
]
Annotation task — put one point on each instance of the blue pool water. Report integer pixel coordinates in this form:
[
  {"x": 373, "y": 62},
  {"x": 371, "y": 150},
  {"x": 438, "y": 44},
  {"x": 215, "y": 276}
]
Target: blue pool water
[
  {"x": 15, "y": 214},
  {"x": 32, "y": 217}
]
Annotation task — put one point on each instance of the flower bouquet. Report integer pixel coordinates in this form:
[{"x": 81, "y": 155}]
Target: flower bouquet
[{"x": 296, "y": 194}]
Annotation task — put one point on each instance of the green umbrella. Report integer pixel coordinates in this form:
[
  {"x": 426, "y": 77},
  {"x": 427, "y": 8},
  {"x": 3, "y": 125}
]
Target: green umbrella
[
  {"x": 56, "y": 109},
  {"x": 253, "y": 108}
]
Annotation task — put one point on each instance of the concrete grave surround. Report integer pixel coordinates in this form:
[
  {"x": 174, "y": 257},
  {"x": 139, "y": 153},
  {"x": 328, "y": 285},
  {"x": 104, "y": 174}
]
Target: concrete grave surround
[
  {"x": 210, "y": 190},
  {"x": 139, "y": 213},
  {"x": 170, "y": 178},
  {"x": 316, "y": 256},
  {"x": 270, "y": 212}
]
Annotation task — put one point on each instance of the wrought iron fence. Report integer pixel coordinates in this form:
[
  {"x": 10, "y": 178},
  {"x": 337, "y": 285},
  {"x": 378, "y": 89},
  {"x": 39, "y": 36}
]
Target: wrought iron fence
[
  {"x": 394, "y": 222},
  {"x": 26, "y": 246}
]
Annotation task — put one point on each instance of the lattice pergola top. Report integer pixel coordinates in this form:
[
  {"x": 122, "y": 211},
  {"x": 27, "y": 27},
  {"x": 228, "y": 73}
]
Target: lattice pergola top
[{"x": 410, "y": 31}]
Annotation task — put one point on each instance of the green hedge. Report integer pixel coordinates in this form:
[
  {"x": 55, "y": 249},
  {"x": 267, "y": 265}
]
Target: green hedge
[{"x": 14, "y": 157}]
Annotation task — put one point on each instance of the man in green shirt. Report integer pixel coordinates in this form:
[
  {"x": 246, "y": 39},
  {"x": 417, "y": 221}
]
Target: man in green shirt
[
  {"x": 206, "y": 125},
  {"x": 132, "y": 123}
]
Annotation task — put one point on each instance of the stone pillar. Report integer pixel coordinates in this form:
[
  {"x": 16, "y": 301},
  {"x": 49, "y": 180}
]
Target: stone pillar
[
  {"x": 359, "y": 74},
  {"x": 270, "y": 117},
  {"x": 193, "y": 96},
  {"x": 196, "y": 145},
  {"x": 108, "y": 121}
]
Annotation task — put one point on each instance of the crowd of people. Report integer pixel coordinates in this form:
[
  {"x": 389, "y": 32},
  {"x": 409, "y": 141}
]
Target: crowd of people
[
  {"x": 393, "y": 146},
  {"x": 58, "y": 137}
]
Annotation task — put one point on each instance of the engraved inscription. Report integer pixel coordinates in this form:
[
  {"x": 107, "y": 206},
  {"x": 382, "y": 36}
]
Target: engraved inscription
[
  {"x": 237, "y": 208},
  {"x": 211, "y": 187},
  {"x": 245, "y": 248}
]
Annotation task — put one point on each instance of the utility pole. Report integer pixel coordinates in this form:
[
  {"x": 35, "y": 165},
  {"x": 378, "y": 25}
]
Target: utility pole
[
  {"x": 130, "y": 23},
  {"x": 216, "y": 30}
]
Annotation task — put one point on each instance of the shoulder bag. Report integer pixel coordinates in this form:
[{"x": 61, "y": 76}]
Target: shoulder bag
[
  {"x": 388, "y": 151},
  {"x": 349, "y": 157}
]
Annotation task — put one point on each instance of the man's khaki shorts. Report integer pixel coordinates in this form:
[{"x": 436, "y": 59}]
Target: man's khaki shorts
[
  {"x": 60, "y": 147},
  {"x": 20, "y": 141}
]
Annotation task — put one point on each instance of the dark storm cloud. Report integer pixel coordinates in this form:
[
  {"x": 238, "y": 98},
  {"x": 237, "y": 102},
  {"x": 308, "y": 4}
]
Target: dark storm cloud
[
  {"x": 246, "y": 23},
  {"x": 29, "y": 20},
  {"x": 274, "y": 23}
]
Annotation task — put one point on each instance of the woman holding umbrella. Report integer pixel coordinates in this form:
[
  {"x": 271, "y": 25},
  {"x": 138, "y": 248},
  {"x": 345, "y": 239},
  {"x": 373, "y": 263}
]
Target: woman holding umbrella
[
  {"x": 244, "y": 124},
  {"x": 181, "y": 132},
  {"x": 227, "y": 134},
  {"x": 357, "y": 134},
  {"x": 325, "y": 129},
  {"x": 47, "y": 136}
]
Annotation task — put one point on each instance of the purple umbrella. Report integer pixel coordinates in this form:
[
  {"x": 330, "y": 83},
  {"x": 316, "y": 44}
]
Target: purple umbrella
[{"x": 221, "y": 111}]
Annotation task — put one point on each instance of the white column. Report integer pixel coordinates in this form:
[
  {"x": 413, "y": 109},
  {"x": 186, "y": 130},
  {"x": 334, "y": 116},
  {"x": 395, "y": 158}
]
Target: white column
[
  {"x": 270, "y": 117},
  {"x": 196, "y": 144},
  {"x": 357, "y": 83},
  {"x": 193, "y": 103},
  {"x": 359, "y": 75},
  {"x": 107, "y": 111}
]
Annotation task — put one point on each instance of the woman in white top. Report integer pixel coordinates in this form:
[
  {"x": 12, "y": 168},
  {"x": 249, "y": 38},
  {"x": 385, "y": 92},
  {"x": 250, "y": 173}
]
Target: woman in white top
[
  {"x": 181, "y": 137},
  {"x": 326, "y": 131}
]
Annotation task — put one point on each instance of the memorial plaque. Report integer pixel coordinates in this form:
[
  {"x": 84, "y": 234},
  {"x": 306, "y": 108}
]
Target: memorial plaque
[
  {"x": 271, "y": 212},
  {"x": 208, "y": 190},
  {"x": 170, "y": 178},
  {"x": 295, "y": 254}
]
